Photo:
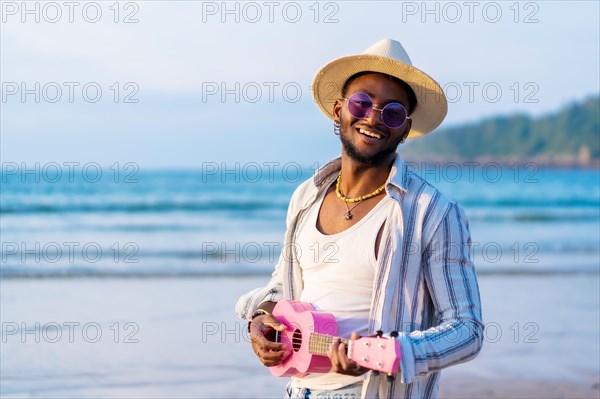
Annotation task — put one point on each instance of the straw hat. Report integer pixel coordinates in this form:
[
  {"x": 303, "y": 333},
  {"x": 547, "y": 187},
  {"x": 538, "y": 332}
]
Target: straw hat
[{"x": 389, "y": 57}]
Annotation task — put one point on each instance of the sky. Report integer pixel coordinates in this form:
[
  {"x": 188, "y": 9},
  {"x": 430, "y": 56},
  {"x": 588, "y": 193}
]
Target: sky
[{"x": 176, "y": 84}]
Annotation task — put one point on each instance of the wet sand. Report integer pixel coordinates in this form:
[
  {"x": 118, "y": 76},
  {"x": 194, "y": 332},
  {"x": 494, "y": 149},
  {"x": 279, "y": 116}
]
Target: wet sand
[{"x": 163, "y": 338}]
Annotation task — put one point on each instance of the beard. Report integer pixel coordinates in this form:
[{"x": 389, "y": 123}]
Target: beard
[{"x": 371, "y": 160}]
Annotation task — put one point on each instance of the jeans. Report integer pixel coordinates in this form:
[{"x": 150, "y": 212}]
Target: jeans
[{"x": 348, "y": 392}]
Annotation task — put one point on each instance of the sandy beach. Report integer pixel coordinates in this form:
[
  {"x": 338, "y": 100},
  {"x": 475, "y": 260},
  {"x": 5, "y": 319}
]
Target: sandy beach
[
  {"x": 176, "y": 337},
  {"x": 473, "y": 388}
]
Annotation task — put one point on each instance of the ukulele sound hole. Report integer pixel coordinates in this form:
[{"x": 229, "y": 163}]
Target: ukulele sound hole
[{"x": 297, "y": 340}]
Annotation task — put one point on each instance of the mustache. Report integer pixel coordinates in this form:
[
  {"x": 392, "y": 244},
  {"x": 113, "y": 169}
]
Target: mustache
[{"x": 371, "y": 160}]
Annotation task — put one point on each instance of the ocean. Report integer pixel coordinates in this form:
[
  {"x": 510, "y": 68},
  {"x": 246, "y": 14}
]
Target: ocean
[
  {"x": 230, "y": 219},
  {"x": 118, "y": 282}
]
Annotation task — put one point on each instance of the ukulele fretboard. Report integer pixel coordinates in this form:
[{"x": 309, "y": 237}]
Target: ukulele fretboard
[{"x": 318, "y": 344}]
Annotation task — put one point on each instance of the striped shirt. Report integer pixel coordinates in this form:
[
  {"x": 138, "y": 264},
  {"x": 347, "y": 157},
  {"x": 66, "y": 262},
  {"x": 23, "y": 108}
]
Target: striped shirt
[{"x": 425, "y": 285}]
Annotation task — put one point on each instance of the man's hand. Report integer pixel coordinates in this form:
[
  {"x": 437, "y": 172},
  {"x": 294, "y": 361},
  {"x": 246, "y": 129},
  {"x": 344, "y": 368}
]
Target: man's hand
[
  {"x": 340, "y": 363},
  {"x": 270, "y": 353}
]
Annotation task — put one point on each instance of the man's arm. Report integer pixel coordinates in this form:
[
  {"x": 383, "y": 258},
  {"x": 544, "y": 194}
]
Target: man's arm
[
  {"x": 262, "y": 326},
  {"x": 248, "y": 303},
  {"x": 450, "y": 277},
  {"x": 273, "y": 291}
]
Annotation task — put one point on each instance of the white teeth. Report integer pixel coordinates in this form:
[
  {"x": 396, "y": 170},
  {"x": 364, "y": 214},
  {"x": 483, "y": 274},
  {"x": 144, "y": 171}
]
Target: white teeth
[{"x": 370, "y": 134}]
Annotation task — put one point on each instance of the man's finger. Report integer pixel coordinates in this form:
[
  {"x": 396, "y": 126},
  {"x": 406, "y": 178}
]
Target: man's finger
[
  {"x": 267, "y": 321},
  {"x": 271, "y": 358},
  {"x": 333, "y": 355},
  {"x": 258, "y": 336},
  {"x": 342, "y": 358},
  {"x": 272, "y": 355},
  {"x": 262, "y": 342},
  {"x": 259, "y": 341},
  {"x": 272, "y": 322}
]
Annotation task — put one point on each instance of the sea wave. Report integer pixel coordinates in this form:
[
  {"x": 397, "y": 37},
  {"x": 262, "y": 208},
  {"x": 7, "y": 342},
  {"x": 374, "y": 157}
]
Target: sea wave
[
  {"x": 18, "y": 272},
  {"x": 142, "y": 207},
  {"x": 243, "y": 205},
  {"x": 536, "y": 216},
  {"x": 253, "y": 259},
  {"x": 531, "y": 202}
]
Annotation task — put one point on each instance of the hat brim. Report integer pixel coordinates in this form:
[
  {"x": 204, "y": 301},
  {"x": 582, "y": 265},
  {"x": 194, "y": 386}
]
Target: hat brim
[{"x": 432, "y": 105}]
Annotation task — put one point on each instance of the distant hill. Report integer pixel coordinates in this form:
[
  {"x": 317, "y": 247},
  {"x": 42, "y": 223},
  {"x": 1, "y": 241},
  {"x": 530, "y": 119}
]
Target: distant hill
[{"x": 568, "y": 137}]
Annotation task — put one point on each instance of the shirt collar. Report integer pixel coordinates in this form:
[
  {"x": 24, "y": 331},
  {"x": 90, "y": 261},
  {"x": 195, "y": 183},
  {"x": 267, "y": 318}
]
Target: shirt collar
[{"x": 398, "y": 176}]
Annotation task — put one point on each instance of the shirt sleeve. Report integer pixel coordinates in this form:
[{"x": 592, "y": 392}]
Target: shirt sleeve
[{"x": 452, "y": 283}]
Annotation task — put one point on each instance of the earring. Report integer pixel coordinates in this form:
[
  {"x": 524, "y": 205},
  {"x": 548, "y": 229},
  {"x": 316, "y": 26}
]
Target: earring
[{"x": 336, "y": 127}]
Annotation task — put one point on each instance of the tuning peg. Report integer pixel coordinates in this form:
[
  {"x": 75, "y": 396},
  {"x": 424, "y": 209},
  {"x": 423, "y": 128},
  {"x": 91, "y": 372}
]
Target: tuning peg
[
  {"x": 394, "y": 334},
  {"x": 379, "y": 333},
  {"x": 390, "y": 378}
]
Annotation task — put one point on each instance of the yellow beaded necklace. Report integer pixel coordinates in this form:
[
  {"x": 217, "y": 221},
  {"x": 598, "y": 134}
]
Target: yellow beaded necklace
[{"x": 355, "y": 199}]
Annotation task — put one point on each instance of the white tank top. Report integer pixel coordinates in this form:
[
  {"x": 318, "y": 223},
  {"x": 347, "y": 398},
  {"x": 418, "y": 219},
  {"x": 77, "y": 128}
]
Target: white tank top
[{"x": 338, "y": 272}]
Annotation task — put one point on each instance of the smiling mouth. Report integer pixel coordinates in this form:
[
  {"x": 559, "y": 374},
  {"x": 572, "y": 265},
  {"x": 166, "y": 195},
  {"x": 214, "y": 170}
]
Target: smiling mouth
[{"x": 369, "y": 133}]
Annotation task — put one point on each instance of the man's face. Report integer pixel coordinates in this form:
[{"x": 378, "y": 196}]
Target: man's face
[{"x": 356, "y": 144}]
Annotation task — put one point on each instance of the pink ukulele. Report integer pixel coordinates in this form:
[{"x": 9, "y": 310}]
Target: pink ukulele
[{"x": 310, "y": 333}]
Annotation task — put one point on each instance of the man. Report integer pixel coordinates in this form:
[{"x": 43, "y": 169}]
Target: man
[{"x": 373, "y": 243}]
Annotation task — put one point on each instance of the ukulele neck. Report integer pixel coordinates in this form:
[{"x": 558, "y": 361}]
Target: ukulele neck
[{"x": 318, "y": 344}]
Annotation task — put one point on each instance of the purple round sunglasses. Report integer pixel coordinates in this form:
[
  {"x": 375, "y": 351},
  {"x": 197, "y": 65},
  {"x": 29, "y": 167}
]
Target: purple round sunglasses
[{"x": 393, "y": 115}]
